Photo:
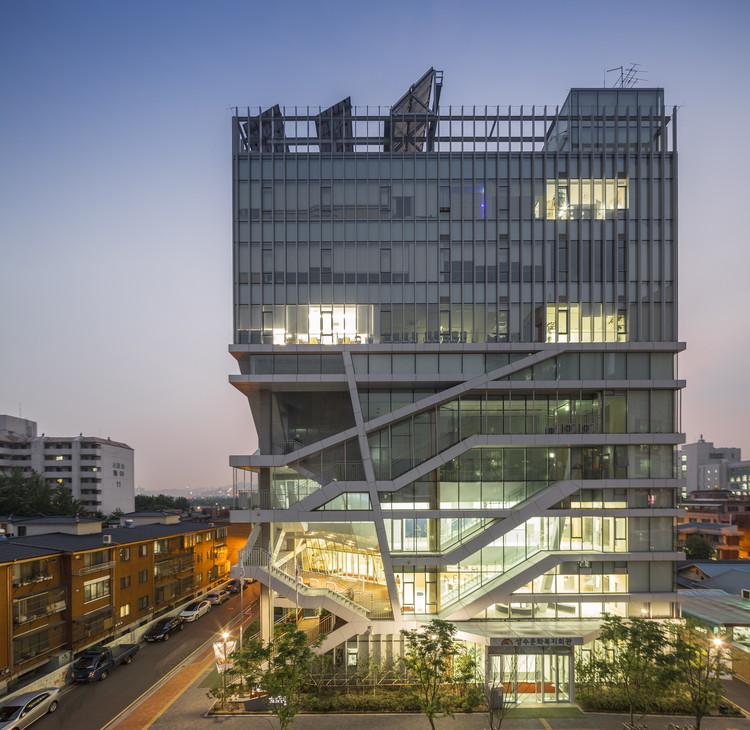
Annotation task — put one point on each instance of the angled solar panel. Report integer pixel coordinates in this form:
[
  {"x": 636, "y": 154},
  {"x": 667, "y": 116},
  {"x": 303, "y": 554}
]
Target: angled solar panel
[
  {"x": 335, "y": 124},
  {"x": 407, "y": 127},
  {"x": 266, "y": 131}
]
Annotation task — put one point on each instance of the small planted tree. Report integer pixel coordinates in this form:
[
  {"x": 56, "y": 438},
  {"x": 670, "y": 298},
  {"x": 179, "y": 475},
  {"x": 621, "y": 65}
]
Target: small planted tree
[
  {"x": 697, "y": 547},
  {"x": 499, "y": 703},
  {"x": 280, "y": 668},
  {"x": 428, "y": 656},
  {"x": 634, "y": 662},
  {"x": 699, "y": 663}
]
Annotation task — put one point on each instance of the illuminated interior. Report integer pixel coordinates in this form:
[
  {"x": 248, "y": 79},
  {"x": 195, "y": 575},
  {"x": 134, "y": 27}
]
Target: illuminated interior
[
  {"x": 585, "y": 199},
  {"x": 572, "y": 322}
]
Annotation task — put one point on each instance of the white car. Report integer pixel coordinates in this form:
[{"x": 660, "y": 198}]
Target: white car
[
  {"x": 218, "y": 597},
  {"x": 25, "y": 709},
  {"x": 195, "y": 610}
]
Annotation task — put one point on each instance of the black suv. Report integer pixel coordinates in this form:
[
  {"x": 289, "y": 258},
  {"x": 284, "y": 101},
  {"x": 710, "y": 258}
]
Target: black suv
[{"x": 161, "y": 630}]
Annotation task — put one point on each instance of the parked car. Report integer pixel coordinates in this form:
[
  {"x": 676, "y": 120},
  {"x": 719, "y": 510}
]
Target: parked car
[
  {"x": 27, "y": 708},
  {"x": 96, "y": 663},
  {"x": 216, "y": 598},
  {"x": 162, "y": 629},
  {"x": 195, "y": 610},
  {"x": 235, "y": 584}
]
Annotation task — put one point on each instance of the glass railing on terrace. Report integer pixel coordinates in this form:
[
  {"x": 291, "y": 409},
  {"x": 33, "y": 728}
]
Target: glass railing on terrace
[
  {"x": 429, "y": 535},
  {"x": 350, "y": 471},
  {"x": 453, "y": 493},
  {"x": 409, "y": 455},
  {"x": 539, "y": 534},
  {"x": 279, "y": 496}
]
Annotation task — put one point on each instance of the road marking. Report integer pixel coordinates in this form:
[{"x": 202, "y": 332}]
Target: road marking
[{"x": 545, "y": 724}]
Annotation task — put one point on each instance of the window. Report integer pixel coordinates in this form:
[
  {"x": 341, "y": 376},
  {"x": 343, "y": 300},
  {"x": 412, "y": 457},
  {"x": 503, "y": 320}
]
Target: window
[
  {"x": 124, "y": 582},
  {"x": 124, "y": 554},
  {"x": 125, "y": 610},
  {"x": 143, "y": 551},
  {"x": 208, "y": 537},
  {"x": 91, "y": 560},
  {"x": 93, "y": 590},
  {"x": 142, "y": 576},
  {"x": 143, "y": 603}
]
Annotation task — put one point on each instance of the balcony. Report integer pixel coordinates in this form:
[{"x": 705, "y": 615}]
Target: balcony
[
  {"x": 94, "y": 568},
  {"x": 31, "y": 579},
  {"x": 171, "y": 567}
]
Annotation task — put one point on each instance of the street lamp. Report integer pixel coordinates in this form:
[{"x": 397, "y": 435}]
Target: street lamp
[
  {"x": 224, "y": 636},
  {"x": 242, "y": 593}
]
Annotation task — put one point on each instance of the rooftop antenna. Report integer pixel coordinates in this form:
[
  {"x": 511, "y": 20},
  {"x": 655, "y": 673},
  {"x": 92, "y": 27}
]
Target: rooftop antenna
[{"x": 629, "y": 76}]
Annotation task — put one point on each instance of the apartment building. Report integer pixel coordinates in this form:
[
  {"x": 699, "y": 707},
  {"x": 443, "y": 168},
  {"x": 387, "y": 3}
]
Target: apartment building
[
  {"x": 97, "y": 471},
  {"x": 456, "y": 330},
  {"x": 65, "y": 591}
]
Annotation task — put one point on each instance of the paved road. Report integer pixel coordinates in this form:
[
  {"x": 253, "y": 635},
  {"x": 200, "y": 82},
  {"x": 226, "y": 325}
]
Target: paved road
[{"x": 93, "y": 706}]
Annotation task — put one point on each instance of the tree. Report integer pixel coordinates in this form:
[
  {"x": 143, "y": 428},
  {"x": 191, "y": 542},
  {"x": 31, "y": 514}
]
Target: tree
[
  {"x": 698, "y": 547},
  {"x": 30, "y": 495},
  {"x": 498, "y": 702},
  {"x": 63, "y": 502},
  {"x": 161, "y": 501},
  {"x": 699, "y": 661},
  {"x": 280, "y": 668},
  {"x": 429, "y": 658},
  {"x": 634, "y": 661}
]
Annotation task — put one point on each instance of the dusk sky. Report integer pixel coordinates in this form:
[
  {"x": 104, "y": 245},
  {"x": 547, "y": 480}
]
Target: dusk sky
[{"x": 115, "y": 185}]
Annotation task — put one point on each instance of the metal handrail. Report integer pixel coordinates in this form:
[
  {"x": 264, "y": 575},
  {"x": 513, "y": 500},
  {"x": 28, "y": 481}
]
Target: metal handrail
[{"x": 257, "y": 557}]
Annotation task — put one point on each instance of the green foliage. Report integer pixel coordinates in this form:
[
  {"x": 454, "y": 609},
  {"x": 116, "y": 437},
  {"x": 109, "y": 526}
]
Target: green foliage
[
  {"x": 279, "y": 668},
  {"x": 635, "y": 662},
  {"x": 699, "y": 661},
  {"x": 388, "y": 701},
  {"x": 614, "y": 699},
  {"x": 147, "y": 502},
  {"x": 442, "y": 672},
  {"x": 30, "y": 495},
  {"x": 698, "y": 547}
]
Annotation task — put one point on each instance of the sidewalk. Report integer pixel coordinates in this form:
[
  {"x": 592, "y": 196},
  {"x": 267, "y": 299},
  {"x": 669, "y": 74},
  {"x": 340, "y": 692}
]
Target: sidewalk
[
  {"x": 182, "y": 701},
  {"x": 189, "y": 712}
]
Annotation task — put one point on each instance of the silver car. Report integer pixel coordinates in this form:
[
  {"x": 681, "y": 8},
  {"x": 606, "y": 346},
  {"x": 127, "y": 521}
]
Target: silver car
[
  {"x": 195, "y": 610},
  {"x": 25, "y": 709}
]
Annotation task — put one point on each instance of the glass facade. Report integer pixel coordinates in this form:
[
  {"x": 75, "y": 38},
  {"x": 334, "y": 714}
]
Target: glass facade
[{"x": 456, "y": 330}]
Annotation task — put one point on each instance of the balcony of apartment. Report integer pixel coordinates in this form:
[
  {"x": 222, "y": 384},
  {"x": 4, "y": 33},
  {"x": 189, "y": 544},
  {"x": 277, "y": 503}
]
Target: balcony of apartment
[
  {"x": 94, "y": 568},
  {"x": 29, "y": 609},
  {"x": 175, "y": 590},
  {"x": 34, "y": 647},
  {"x": 172, "y": 565},
  {"x": 93, "y": 626},
  {"x": 32, "y": 577},
  {"x": 220, "y": 552}
]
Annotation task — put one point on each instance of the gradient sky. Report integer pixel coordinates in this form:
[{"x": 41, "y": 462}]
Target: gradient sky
[{"x": 115, "y": 194}]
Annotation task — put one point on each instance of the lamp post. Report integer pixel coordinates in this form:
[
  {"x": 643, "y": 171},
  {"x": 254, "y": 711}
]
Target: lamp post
[
  {"x": 224, "y": 636},
  {"x": 242, "y": 593}
]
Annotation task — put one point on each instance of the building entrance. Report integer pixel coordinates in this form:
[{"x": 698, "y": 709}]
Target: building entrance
[{"x": 538, "y": 675}]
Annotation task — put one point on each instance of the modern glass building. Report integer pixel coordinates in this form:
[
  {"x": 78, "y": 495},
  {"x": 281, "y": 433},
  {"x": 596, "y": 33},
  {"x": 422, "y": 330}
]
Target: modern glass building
[{"x": 456, "y": 330}]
